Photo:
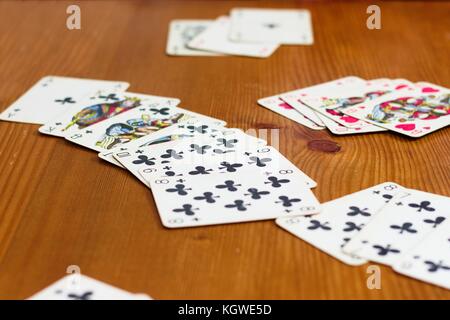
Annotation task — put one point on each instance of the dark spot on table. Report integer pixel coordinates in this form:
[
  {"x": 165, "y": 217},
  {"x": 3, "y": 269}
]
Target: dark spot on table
[{"x": 324, "y": 146}]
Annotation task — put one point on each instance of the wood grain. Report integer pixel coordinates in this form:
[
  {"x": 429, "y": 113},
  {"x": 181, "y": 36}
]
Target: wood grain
[{"x": 60, "y": 205}]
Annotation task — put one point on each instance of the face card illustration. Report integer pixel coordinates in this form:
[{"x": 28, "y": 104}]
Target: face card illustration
[
  {"x": 98, "y": 107},
  {"x": 414, "y": 113},
  {"x": 429, "y": 261},
  {"x": 215, "y": 39},
  {"x": 184, "y": 129},
  {"x": 400, "y": 226},
  {"x": 80, "y": 287},
  {"x": 333, "y": 104},
  {"x": 52, "y": 96},
  {"x": 202, "y": 139},
  {"x": 276, "y": 104},
  {"x": 229, "y": 198},
  {"x": 340, "y": 220},
  {"x": 128, "y": 126},
  {"x": 292, "y": 27},
  {"x": 181, "y": 32}
]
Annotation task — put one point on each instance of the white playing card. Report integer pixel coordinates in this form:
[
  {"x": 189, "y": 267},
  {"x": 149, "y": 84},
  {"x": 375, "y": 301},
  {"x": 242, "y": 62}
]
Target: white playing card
[
  {"x": 340, "y": 220},
  {"x": 215, "y": 39},
  {"x": 333, "y": 103},
  {"x": 183, "y": 31},
  {"x": 339, "y": 129},
  {"x": 220, "y": 198},
  {"x": 414, "y": 113},
  {"x": 128, "y": 126},
  {"x": 80, "y": 287},
  {"x": 190, "y": 125},
  {"x": 401, "y": 225},
  {"x": 52, "y": 96},
  {"x": 282, "y": 26},
  {"x": 98, "y": 107},
  {"x": 156, "y": 158},
  {"x": 276, "y": 104},
  {"x": 429, "y": 261}
]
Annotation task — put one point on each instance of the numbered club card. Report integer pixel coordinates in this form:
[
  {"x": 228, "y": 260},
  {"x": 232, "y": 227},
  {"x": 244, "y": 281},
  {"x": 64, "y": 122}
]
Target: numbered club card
[
  {"x": 100, "y": 106},
  {"x": 341, "y": 219},
  {"x": 80, "y": 287},
  {"x": 157, "y": 157},
  {"x": 215, "y": 39},
  {"x": 400, "y": 226},
  {"x": 181, "y": 32},
  {"x": 282, "y": 26},
  {"x": 333, "y": 104},
  {"x": 429, "y": 261},
  {"x": 129, "y": 126},
  {"x": 52, "y": 96},
  {"x": 414, "y": 113},
  {"x": 221, "y": 198},
  {"x": 276, "y": 104},
  {"x": 192, "y": 125}
]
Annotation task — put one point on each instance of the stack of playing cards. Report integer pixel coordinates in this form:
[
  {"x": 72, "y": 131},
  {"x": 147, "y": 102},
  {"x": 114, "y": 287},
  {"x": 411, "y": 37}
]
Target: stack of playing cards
[
  {"x": 354, "y": 105},
  {"x": 80, "y": 287},
  {"x": 246, "y": 32},
  {"x": 406, "y": 229}
]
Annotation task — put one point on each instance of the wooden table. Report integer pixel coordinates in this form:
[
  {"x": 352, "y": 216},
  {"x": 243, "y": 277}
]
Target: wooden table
[{"x": 60, "y": 205}]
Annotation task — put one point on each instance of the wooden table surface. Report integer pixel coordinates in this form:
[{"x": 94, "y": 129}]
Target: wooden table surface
[{"x": 61, "y": 205}]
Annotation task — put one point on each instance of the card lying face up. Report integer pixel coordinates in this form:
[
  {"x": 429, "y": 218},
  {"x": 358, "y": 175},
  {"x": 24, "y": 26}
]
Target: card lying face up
[{"x": 52, "y": 96}]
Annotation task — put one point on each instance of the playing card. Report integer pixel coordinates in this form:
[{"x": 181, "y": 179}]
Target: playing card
[
  {"x": 52, "y": 96},
  {"x": 183, "y": 31},
  {"x": 339, "y": 129},
  {"x": 194, "y": 124},
  {"x": 282, "y": 26},
  {"x": 429, "y": 261},
  {"x": 204, "y": 157},
  {"x": 80, "y": 287},
  {"x": 341, "y": 219},
  {"x": 215, "y": 39},
  {"x": 412, "y": 112},
  {"x": 198, "y": 139},
  {"x": 251, "y": 195},
  {"x": 100, "y": 106},
  {"x": 129, "y": 126},
  {"x": 332, "y": 104},
  {"x": 276, "y": 104},
  {"x": 401, "y": 225}
]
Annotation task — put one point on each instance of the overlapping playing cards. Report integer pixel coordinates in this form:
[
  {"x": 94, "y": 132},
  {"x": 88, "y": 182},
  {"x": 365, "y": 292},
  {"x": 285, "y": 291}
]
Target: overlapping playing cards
[
  {"x": 245, "y": 32},
  {"x": 203, "y": 173},
  {"x": 353, "y": 105},
  {"x": 406, "y": 229}
]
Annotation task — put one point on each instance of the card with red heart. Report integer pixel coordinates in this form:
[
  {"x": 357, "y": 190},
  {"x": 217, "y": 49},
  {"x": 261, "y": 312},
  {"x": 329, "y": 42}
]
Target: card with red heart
[{"x": 412, "y": 112}]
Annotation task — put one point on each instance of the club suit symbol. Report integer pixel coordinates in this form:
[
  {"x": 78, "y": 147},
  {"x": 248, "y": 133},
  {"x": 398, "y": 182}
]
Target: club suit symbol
[
  {"x": 65, "y": 100},
  {"x": 316, "y": 225},
  {"x": 435, "y": 222},
  {"x": 260, "y": 162},
  {"x": 187, "y": 209},
  {"x": 170, "y": 153},
  {"x": 180, "y": 189},
  {"x": 255, "y": 193},
  {"x": 200, "y": 170},
  {"x": 227, "y": 143},
  {"x": 351, "y": 226},
  {"x": 434, "y": 267},
  {"x": 208, "y": 197},
  {"x": 286, "y": 202},
  {"x": 199, "y": 129},
  {"x": 111, "y": 96},
  {"x": 199, "y": 149},
  {"x": 144, "y": 160},
  {"x": 230, "y": 185},
  {"x": 384, "y": 251},
  {"x": 405, "y": 227},
  {"x": 275, "y": 182},
  {"x": 357, "y": 211},
  {"x": 424, "y": 205},
  {"x": 230, "y": 167},
  {"x": 162, "y": 111},
  {"x": 238, "y": 204},
  {"x": 84, "y": 296}
]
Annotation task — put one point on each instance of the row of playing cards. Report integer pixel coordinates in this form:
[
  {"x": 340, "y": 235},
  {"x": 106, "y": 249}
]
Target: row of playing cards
[
  {"x": 406, "y": 229},
  {"x": 353, "y": 105},
  {"x": 80, "y": 287},
  {"x": 245, "y": 32}
]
